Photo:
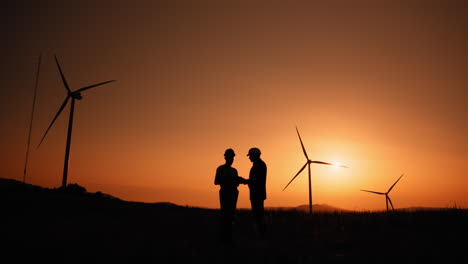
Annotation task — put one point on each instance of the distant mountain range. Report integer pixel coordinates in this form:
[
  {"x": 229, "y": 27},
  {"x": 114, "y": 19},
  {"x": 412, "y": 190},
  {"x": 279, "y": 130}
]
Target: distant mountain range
[{"x": 322, "y": 208}]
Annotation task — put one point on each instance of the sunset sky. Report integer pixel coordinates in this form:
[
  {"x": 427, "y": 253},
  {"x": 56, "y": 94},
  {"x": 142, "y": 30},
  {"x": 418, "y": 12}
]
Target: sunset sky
[{"x": 380, "y": 86}]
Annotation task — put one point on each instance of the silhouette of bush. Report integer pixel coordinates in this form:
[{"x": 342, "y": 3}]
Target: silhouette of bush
[{"x": 73, "y": 188}]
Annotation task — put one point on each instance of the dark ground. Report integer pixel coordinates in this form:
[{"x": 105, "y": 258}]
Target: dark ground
[{"x": 76, "y": 227}]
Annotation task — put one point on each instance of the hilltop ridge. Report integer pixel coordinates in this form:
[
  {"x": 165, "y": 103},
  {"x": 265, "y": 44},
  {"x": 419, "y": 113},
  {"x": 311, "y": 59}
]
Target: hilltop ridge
[
  {"x": 70, "y": 225},
  {"x": 19, "y": 191}
]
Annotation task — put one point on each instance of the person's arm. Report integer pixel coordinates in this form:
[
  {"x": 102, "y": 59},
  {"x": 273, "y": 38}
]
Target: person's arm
[
  {"x": 257, "y": 181},
  {"x": 217, "y": 180},
  {"x": 242, "y": 180},
  {"x": 258, "y": 177},
  {"x": 263, "y": 172}
]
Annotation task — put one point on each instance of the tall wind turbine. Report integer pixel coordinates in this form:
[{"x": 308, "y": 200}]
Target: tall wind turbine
[
  {"x": 74, "y": 95},
  {"x": 32, "y": 117},
  {"x": 308, "y": 162},
  {"x": 387, "y": 198}
]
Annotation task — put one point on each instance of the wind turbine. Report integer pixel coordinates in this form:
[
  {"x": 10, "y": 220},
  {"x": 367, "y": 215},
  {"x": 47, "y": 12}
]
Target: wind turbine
[
  {"x": 387, "y": 198},
  {"x": 308, "y": 162},
  {"x": 74, "y": 95}
]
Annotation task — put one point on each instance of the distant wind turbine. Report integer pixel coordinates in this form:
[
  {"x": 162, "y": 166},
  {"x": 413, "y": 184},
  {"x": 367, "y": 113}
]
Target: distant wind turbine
[
  {"x": 387, "y": 198},
  {"x": 308, "y": 162},
  {"x": 32, "y": 117},
  {"x": 75, "y": 95}
]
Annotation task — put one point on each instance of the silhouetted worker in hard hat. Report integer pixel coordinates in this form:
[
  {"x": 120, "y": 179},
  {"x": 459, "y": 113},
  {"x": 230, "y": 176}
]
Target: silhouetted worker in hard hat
[
  {"x": 228, "y": 179},
  {"x": 257, "y": 187}
]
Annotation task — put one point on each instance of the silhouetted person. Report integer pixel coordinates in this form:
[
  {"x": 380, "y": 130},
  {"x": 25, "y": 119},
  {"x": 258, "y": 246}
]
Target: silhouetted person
[
  {"x": 228, "y": 179},
  {"x": 257, "y": 187}
]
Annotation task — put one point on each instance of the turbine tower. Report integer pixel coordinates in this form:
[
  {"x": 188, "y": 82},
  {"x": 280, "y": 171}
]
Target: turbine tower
[
  {"x": 387, "y": 198},
  {"x": 308, "y": 162},
  {"x": 74, "y": 95}
]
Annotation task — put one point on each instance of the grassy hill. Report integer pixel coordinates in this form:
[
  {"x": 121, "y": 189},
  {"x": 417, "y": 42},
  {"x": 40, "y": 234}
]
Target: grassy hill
[{"x": 74, "y": 226}]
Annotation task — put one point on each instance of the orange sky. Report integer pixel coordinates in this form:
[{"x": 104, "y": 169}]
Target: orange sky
[{"x": 379, "y": 87}]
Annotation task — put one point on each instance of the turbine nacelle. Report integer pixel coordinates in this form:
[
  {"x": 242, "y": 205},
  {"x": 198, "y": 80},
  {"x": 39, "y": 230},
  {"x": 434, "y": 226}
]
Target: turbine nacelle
[{"x": 76, "y": 95}]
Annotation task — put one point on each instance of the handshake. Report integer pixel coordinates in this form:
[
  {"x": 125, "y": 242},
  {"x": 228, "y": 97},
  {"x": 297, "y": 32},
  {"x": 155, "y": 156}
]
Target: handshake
[{"x": 243, "y": 181}]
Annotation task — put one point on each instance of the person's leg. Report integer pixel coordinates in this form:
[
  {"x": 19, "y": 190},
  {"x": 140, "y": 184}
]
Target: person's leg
[
  {"x": 235, "y": 196},
  {"x": 260, "y": 218},
  {"x": 225, "y": 222},
  {"x": 257, "y": 212},
  {"x": 229, "y": 202}
]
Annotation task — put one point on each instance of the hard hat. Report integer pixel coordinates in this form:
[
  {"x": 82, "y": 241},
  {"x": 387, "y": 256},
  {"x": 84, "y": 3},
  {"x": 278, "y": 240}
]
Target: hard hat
[
  {"x": 254, "y": 151},
  {"x": 229, "y": 152}
]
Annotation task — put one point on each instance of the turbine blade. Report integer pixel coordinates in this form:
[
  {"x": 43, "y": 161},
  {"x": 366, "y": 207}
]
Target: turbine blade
[
  {"x": 63, "y": 77},
  {"x": 321, "y": 162},
  {"x": 32, "y": 117},
  {"x": 395, "y": 183},
  {"x": 91, "y": 86},
  {"x": 302, "y": 144},
  {"x": 327, "y": 163},
  {"x": 303, "y": 167},
  {"x": 373, "y": 192},
  {"x": 390, "y": 200},
  {"x": 55, "y": 118}
]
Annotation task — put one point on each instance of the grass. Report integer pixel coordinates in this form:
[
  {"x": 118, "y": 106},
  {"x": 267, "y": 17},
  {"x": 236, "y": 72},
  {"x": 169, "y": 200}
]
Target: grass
[{"x": 81, "y": 227}]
